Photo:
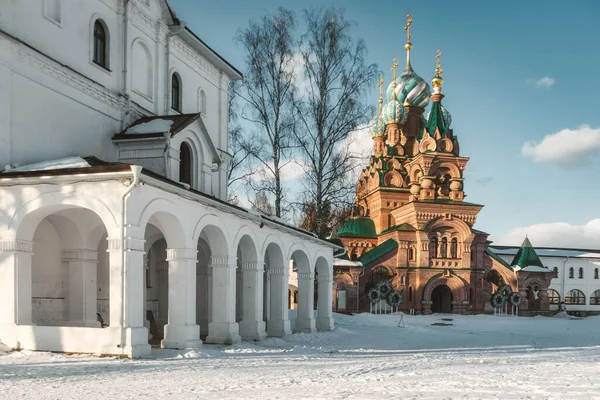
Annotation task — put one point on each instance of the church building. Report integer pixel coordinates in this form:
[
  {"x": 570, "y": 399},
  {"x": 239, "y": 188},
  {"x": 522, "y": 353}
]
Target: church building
[
  {"x": 115, "y": 231},
  {"x": 411, "y": 242}
]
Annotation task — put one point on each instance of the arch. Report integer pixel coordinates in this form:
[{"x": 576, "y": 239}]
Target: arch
[
  {"x": 201, "y": 101},
  {"x": 28, "y": 216},
  {"x": 553, "y": 297},
  {"x": 455, "y": 284},
  {"x": 271, "y": 240},
  {"x": 444, "y": 248},
  {"x": 393, "y": 178},
  {"x": 595, "y": 298},
  {"x": 433, "y": 247},
  {"x": 246, "y": 230},
  {"x": 176, "y": 92},
  {"x": 300, "y": 255},
  {"x": 453, "y": 224},
  {"x": 575, "y": 296},
  {"x": 571, "y": 273},
  {"x": 580, "y": 273},
  {"x": 169, "y": 224},
  {"x": 212, "y": 220},
  {"x": 454, "y": 248},
  {"x": 452, "y": 168},
  {"x": 441, "y": 299},
  {"x": 501, "y": 276},
  {"x": 411, "y": 253},
  {"x": 185, "y": 163},
  {"x": 100, "y": 43},
  {"x": 142, "y": 70}
]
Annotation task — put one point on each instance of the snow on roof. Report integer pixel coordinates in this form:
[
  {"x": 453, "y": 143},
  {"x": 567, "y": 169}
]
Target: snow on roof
[
  {"x": 546, "y": 252},
  {"x": 154, "y": 126},
  {"x": 338, "y": 262},
  {"x": 63, "y": 163},
  {"x": 535, "y": 268}
]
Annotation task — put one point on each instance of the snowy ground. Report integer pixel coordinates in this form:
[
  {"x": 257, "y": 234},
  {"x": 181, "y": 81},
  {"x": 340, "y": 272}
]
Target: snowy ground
[{"x": 366, "y": 357}]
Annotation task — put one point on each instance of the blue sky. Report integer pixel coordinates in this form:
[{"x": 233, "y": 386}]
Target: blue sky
[{"x": 514, "y": 71}]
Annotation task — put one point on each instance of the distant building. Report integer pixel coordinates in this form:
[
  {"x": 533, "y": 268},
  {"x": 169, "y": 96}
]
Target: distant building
[
  {"x": 115, "y": 232},
  {"x": 412, "y": 233}
]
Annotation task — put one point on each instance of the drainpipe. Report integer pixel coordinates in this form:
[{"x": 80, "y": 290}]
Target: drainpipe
[
  {"x": 181, "y": 25},
  {"x": 562, "y": 289},
  {"x": 124, "y": 72},
  {"x": 136, "y": 170}
]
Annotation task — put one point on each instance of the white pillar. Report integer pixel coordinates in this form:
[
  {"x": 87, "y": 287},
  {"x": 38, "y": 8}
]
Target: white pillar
[
  {"x": 126, "y": 302},
  {"x": 15, "y": 289},
  {"x": 182, "y": 331},
  {"x": 324, "y": 311},
  {"x": 82, "y": 267},
  {"x": 252, "y": 326},
  {"x": 305, "y": 322},
  {"x": 223, "y": 329},
  {"x": 278, "y": 324}
]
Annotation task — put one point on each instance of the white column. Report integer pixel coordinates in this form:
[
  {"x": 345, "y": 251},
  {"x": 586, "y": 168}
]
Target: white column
[
  {"x": 182, "y": 331},
  {"x": 305, "y": 322},
  {"x": 126, "y": 296},
  {"x": 324, "y": 311},
  {"x": 278, "y": 324},
  {"x": 223, "y": 329},
  {"x": 82, "y": 267},
  {"x": 252, "y": 326}
]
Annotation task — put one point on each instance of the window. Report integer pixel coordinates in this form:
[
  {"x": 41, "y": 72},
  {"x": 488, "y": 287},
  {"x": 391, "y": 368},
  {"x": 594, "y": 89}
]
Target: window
[
  {"x": 185, "y": 164},
  {"x": 100, "y": 45},
  {"x": 555, "y": 269},
  {"x": 595, "y": 298},
  {"x": 580, "y": 273},
  {"x": 571, "y": 273},
  {"x": 433, "y": 244},
  {"x": 403, "y": 280},
  {"x": 176, "y": 92},
  {"x": 553, "y": 296},
  {"x": 596, "y": 273},
  {"x": 411, "y": 253},
  {"x": 575, "y": 297},
  {"x": 444, "y": 248},
  {"x": 410, "y": 294},
  {"x": 454, "y": 248},
  {"x": 52, "y": 10}
]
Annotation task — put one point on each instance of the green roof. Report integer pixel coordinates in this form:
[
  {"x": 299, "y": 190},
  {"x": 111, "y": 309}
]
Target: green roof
[
  {"x": 378, "y": 251},
  {"x": 437, "y": 120},
  {"x": 358, "y": 227},
  {"x": 527, "y": 256},
  {"x": 497, "y": 258},
  {"x": 402, "y": 227}
]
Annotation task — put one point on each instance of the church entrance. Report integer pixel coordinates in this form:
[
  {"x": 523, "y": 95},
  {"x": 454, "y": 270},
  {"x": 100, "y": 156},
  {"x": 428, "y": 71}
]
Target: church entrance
[{"x": 440, "y": 300}]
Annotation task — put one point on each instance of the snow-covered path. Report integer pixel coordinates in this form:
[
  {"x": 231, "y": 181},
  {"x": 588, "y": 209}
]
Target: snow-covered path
[{"x": 365, "y": 357}]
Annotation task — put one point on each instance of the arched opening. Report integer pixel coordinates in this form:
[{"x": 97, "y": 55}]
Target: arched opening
[
  {"x": 454, "y": 248},
  {"x": 495, "y": 279},
  {"x": 444, "y": 248},
  {"x": 293, "y": 296},
  {"x": 553, "y": 297},
  {"x": 176, "y": 92},
  {"x": 324, "y": 300},
  {"x": 433, "y": 247},
  {"x": 249, "y": 291},
  {"x": 410, "y": 294},
  {"x": 100, "y": 44},
  {"x": 575, "y": 296},
  {"x": 571, "y": 273},
  {"x": 185, "y": 164},
  {"x": 378, "y": 274},
  {"x": 275, "y": 285},
  {"x": 305, "y": 321},
  {"x": 441, "y": 299},
  {"x": 595, "y": 298},
  {"x": 596, "y": 273},
  {"x": 142, "y": 70},
  {"x": 580, "y": 273},
  {"x": 411, "y": 254}
]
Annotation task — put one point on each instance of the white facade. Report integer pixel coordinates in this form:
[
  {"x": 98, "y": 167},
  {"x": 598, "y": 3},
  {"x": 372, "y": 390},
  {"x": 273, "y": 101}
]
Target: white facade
[
  {"x": 576, "y": 269},
  {"x": 109, "y": 258}
]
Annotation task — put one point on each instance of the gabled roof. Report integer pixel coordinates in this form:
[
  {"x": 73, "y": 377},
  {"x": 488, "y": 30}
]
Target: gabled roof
[
  {"x": 379, "y": 251},
  {"x": 526, "y": 256},
  {"x": 405, "y": 227},
  {"x": 496, "y": 257}
]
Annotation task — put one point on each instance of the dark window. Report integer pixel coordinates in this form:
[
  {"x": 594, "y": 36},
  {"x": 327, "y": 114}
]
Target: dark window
[
  {"x": 553, "y": 296},
  {"x": 411, "y": 253},
  {"x": 571, "y": 273},
  {"x": 580, "y": 273},
  {"x": 176, "y": 92},
  {"x": 100, "y": 55},
  {"x": 433, "y": 244},
  {"x": 454, "y": 248},
  {"x": 185, "y": 164},
  {"x": 410, "y": 294},
  {"x": 595, "y": 298},
  {"x": 575, "y": 297},
  {"x": 295, "y": 297},
  {"x": 555, "y": 269},
  {"x": 444, "y": 248},
  {"x": 596, "y": 273}
]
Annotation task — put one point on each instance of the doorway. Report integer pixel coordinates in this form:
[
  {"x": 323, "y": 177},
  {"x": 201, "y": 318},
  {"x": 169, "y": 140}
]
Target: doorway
[{"x": 441, "y": 300}]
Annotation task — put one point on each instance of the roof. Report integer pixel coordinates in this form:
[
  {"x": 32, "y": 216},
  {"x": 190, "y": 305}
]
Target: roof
[
  {"x": 378, "y": 251},
  {"x": 406, "y": 227},
  {"x": 436, "y": 120},
  {"x": 362, "y": 227},
  {"x": 449, "y": 201},
  {"x": 496, "y": 257},
  {"x": 94, "y": 166},
  {"x": 526, "y": 256},
  {"x": 551, "y": 252},
  {"x": 340, "y": 262}
]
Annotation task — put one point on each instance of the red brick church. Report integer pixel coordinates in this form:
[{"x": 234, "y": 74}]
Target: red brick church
[{"x": 411, "y": 244}]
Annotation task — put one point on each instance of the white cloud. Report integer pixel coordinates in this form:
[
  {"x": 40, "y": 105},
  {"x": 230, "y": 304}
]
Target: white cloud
[
  {"x": 566, "y": 147},
  {"x": 545, "y": 82},
  {"x": 556, "y": 234},
  {"x": 360, "y": 144}
]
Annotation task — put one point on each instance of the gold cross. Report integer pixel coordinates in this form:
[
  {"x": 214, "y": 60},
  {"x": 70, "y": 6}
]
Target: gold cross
[
  {"x": 394, "y": 66},
  {"x": 438, "y": 64},
  {"x": 380, "y": 90},
  {"x": 407, "y": 27}
]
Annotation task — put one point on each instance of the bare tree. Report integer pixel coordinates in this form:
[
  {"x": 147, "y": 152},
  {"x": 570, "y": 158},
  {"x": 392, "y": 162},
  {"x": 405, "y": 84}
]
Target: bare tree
[
  {"x": 332, "y": 218},
  {"x": 330, "y": 107},
  {"x": 269, "y": 47},
  {"x": 261, "y": 203}
]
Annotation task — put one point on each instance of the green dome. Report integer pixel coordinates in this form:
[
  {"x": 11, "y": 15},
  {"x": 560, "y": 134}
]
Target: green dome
[
  {"x": 394, "y": 113},
  {"x": 358, "y": 227},
  {"x": 377, "y": 126}
]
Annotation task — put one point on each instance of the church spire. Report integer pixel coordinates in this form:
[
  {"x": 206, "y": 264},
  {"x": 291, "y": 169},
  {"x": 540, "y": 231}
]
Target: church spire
[
  {"x": 408, "y": 45},
  {"x": 437, "y": 80}
]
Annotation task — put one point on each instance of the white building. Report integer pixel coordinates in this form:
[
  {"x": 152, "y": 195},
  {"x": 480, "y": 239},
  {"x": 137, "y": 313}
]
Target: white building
[
  {"x": 126, "y": 235},
  {"x": 578, "y": 276}
]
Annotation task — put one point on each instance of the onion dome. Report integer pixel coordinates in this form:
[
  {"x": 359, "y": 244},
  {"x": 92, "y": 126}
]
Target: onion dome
[
  {"x": 358, "y": 227},
  {"x": 394, "y": 113},
  {"x": 444, "y": 114},
  {"x": 377, "y": 126},
  {"x": 410, "y": 89}
]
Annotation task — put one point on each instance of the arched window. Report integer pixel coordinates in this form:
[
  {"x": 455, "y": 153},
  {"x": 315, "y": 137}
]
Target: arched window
[
  {"x": 595, "y": 298},
  {"x": 555, "y": 269},
  {"x": 403, "y": 280},
  {"x": 411, "y": 253},
  {"x": 553, "y": 296},
  {"x": 100, "y": 44},
  {"x": 571, "y": 273},
  {"x": 444, "y": 248},
  {"x": 575, "y": 297},
  {"x": 596, "y": 273},
  {"x": 202, "y": 102},
  {"x": 433, "y": 244},
  {"x": 410, "y": 294},
  {"x": 176, "y": 92},
  {"x": 580, "y": 273},
  {"x": 454, "y": 248},
  {"x": 185, "y": 164}
]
